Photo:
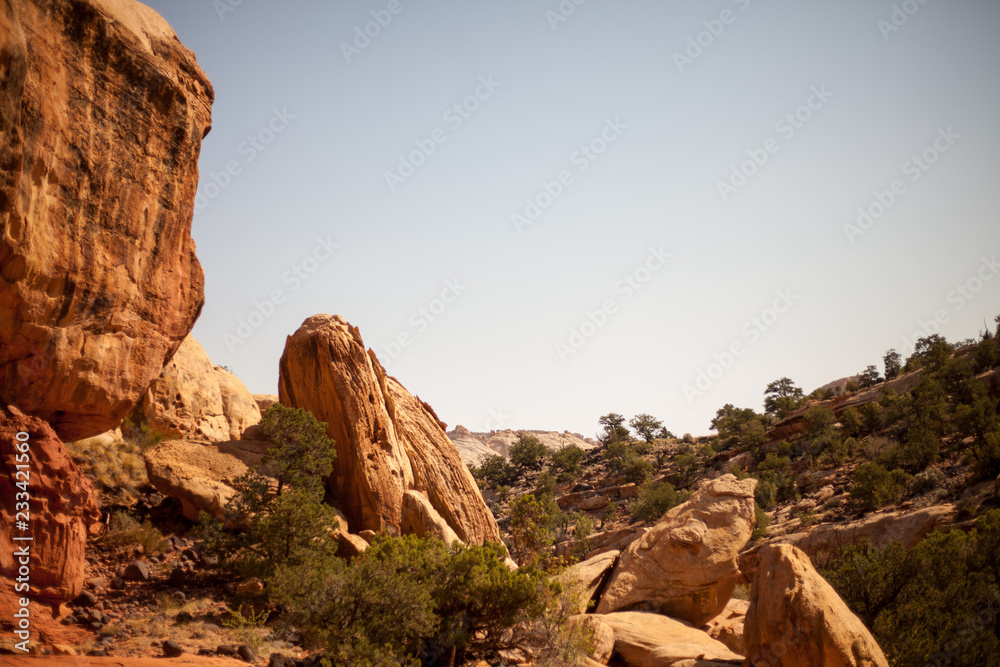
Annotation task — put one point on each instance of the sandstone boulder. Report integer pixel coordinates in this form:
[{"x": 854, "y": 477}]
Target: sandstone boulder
[
  {"x": 686, "y": 566},
  {"x": 61, "y": 510},
  {"x": 796, "y": 619},
  {"x": 102, "y": 113},
  {"x": 388, "y": 441},
  {"x": 195, "y": 400},
  {"x": 420, "y": 518},
  {"x": 639, "y": 634},
  {"x": 588, "y": 576},
  {"x": 199, "y": 474}
]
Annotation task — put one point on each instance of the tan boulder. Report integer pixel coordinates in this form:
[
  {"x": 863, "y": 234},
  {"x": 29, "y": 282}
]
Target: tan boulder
[
  {"x": 727, "y": 627},
  {"x": 350, "y": 546},
  {"x": 102, "y": 113},
  {"x": 796, "y": 619},
  {"x": 199, "y": 474},
  {"x": 420, "y": 518},
  {"x": 587, "y": 576},
  {"x": 195, "y": 400},
  {"x": 639, "y": 634},
  {"x": 388, "y": 441},
  {"x": 61, "y": 511},
  {"x": 686, "y": 565}
]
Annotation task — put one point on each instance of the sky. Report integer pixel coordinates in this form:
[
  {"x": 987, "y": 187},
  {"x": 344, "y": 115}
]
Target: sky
[{"x": 538, "y": 212}]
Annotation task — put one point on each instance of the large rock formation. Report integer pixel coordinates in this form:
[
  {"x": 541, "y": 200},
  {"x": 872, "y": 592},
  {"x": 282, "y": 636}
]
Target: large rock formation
[
  {"x": 102, "y": 113},
  {"x": 796, "y": 619},
  {"x": 685, "y": 566},
  {"x": 60, "y": 510},
  {"x": 195, "y": 400},
  {"x": 388, "y": 441}
]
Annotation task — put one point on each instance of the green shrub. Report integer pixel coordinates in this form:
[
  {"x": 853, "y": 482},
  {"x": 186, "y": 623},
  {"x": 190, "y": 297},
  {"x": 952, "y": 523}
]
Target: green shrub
[
  {"x": 656, "y": 499},
  {"x": 926, "y": 481},
  {"x": 495, "y": 471},
  {"x": 532, "y": 523},
  {"x": 873, "y": 486},
  {"x": 851, "y": 420},
  {"x": 933, "y": 604},
  {"x": 408, "y": 598},
  {"x": 527, "y": 452},
  {"x": 686, "y": 466},
  {"x": 920, "y": 448},
  {"x": 637, "y": 469},
  {"x": 761, "y": 522},
  {"x": 775, "y": 481},
  {"x": 984, "y": 455},
  {"x": 273, "y": 524},
  {"x": 568, "y": 459}
]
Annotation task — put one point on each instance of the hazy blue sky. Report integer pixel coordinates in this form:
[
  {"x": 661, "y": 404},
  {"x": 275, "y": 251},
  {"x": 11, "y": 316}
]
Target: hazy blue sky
[{"x": 829, "y": 102}]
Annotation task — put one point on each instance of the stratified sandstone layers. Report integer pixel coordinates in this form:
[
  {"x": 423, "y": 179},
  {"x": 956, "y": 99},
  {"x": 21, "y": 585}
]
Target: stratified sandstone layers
[
  {"x": 59, "y": 513},
  {"x": 102, "y": 113},
  {"x": 388, "y": 441}
]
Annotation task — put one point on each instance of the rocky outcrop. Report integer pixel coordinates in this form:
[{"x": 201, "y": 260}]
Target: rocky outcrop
[
  {"x": 796, "y": 619},
  {"x": 795, "y": 422},
  {"x": 686, "y": 566},
  {"x": 195, "y": 400},
  {"x": 102, "y": 113},
  {"x": 879, "y": 529},
  {"x": 474, "y": 446},
  {"x": 61, "y": 510},
  {"x": 199, "y": 475},
  {"x": 388, "y": 441},
  {"x": 643, "y": 638}
]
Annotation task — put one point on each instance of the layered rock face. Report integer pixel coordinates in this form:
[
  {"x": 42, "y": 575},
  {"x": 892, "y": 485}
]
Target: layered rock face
[
  {"x": 61, "y": 509},
  {"x": 196, "y": 400},
  {"x": 796, "y": 619},
  {"x": 686, "y": 566},
  {"x": 102, "y": 113},
  {"x": 388, "y": 441}
]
